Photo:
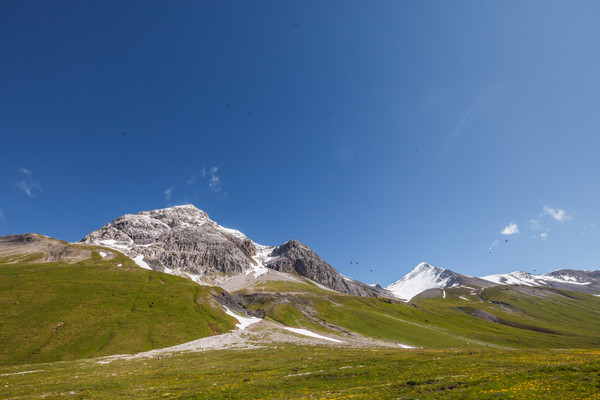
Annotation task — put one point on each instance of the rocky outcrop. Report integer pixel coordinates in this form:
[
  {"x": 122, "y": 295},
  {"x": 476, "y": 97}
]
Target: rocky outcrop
[{"x": 294, "y": 256}]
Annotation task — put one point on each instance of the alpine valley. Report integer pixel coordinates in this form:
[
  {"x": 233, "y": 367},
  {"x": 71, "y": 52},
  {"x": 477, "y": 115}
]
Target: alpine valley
[{"x": 172, "y": 283}]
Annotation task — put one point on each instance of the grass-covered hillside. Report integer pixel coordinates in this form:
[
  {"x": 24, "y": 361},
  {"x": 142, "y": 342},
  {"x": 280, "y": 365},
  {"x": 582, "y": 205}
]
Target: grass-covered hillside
[
  {"x": 498, "y": 317},
  {"x": 100, "y": 305},
  {"x": 60, "y": 301}
]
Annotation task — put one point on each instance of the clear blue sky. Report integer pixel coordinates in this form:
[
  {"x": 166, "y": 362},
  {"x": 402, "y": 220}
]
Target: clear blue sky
[{"x": 380, "y": 132}]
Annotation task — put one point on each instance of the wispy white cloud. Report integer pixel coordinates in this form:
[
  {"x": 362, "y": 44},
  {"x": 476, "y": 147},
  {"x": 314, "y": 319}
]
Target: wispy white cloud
[
  {"x": 556, "y": 213},
  {"x": 492, "y": 246},
  {"x": 168, "y": 193},
  {"x": 511, "y": 229},
  {"x": 588, "y": 228},
  {"x": 27, "y": 183},
  {"x": 1, "y": 215},
  {"x": 213, "y": 180},
  {"x": 192, "y": 179},
  {"x": 535, "y": 225}
]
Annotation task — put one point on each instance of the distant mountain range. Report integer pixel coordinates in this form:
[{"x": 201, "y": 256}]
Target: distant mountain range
[
  {"x": 184, "y": 241},
  {"x": 424, "y": 277}
]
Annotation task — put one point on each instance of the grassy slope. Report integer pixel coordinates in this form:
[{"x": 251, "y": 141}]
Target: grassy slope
[
  {"x": 63, "y": 311},
  {"x": 301, "y": 372},
  {"x": 538, "y": 318}
]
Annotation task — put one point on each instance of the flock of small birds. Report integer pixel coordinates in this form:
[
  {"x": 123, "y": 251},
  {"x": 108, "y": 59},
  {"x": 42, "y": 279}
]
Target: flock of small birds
[{"x": 357, "y": 264}]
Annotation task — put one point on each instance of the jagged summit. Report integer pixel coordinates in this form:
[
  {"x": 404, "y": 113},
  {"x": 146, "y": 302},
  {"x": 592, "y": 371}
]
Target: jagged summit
[{"x": 295, "y": 256}]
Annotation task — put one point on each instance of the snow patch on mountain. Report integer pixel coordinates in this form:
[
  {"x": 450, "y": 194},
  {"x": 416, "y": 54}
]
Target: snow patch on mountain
[
  {"x": 232, "y": 232},
  {"x": 262, "y": 257},
  {"x": 139, "y": 260},
  {"x": 113, "y": 244}
]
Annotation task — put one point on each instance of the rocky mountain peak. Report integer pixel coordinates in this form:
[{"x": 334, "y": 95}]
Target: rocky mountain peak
[
  {"x": 180, "y": 239},
  {"x": 183, "y": 240},
  {"x": 292, "y": 245},
  {"x": 178, "y": 215},
  {"x": 296, "y": 257}
]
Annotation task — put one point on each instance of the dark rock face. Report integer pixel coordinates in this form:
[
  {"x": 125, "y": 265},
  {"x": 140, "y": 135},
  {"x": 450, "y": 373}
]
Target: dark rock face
[{"x": 294, "y": 256}]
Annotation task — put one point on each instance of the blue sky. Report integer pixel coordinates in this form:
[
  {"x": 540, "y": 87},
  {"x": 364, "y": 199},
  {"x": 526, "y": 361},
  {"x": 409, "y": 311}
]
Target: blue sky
[{"x": 383, "y": 133}]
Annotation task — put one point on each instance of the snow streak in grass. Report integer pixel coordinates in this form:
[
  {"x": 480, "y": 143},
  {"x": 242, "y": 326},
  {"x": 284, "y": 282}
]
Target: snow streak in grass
[
  {"x": 311, "y": 334},
  {"x": 243, "y": 321},
  {"x": 139, "y": 260}
]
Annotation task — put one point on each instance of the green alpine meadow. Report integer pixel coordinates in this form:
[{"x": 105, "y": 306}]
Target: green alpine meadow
[{"x": 80, "y": 321}]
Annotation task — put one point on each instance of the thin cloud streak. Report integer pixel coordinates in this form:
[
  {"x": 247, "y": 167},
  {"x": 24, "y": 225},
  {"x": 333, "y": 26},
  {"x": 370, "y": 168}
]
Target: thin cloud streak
[
  {"x": 28, "y": 184},
  {"x": 214, "y": 182},
  {"x": 461, "y": 124}
]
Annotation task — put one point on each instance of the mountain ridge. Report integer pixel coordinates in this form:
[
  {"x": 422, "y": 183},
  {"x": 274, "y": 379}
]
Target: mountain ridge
[
  {"x": 424, "y": 278},
  {"x": 183, "y": 240}
]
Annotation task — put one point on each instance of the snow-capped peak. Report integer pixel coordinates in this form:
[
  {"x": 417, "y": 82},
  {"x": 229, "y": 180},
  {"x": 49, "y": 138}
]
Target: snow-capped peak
[
  {"x": 424, "y": 276},
  {"x": 425, "y": 267}
]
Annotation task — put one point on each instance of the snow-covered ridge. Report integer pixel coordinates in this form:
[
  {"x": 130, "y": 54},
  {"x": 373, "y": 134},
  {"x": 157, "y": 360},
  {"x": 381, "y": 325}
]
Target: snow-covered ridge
[
  {"x": 424, "y": 277},
  {"x": 527, "y": 279}
]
